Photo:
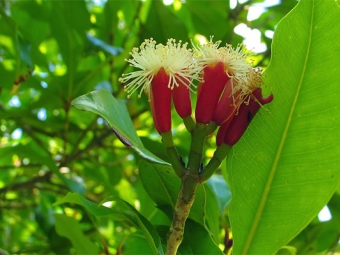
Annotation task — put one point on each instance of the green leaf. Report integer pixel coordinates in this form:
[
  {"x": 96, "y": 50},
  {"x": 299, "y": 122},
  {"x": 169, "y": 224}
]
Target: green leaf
[
  {"x": 199, "y": 239},
  {"x": 287, "y": 250},
  {"x": 17, "y": 49},
  {"x": 209, "y": 18},
  {"x": 286, "y": 167},
  {"x": 69, "y": 32},
  {"x": 221, "y": 190},
  {"x": 114, "y": 111},
  {"x": 163, "y": 185},
  {"x": 321, "y": 238},
  {"x": 122, "y": 211},
  {"x": 134, "y": 244},
  {"x": 70, "y": 228},
  {"x": 104, "y": 46},
  {"x": 212, "y": 213},
  {"x": 165, "y": 23}
]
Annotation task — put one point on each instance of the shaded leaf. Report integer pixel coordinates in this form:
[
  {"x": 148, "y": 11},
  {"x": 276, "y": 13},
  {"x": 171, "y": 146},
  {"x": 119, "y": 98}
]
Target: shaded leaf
[
  {"x": 16, "y": 48},
  {"x": 122, "y": 211},
  {"x": 165, "y": 22},
  {"x": 104, "y": 46},
  {"x": 287, "y": 250},
  {"x": 135, "y": 244},
  {"x": 70, "y": 228},
  {"x": 212, "y": 213},
  {"x": 221, "y": 190},
  {"x": 209, "y": 18},
  {"x": 199, "y": 239}
]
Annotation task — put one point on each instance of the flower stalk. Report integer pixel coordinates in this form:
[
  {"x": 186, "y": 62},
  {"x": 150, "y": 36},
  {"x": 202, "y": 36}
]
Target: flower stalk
[
  {"x": 172, "y": 153},
  {"x": 189, "y": 123},
  {"x": 215, "y": 162},
  {"x": 196, "y": 148}
]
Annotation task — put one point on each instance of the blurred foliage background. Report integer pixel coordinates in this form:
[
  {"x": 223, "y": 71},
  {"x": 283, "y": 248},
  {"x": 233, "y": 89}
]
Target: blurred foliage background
[{"x": 54, "y": 51}]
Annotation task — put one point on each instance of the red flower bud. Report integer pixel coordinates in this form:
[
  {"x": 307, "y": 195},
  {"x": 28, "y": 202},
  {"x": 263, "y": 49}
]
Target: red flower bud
[
  {"x": 160, "y": 102},
  {"x": 209, "y": 92},
  {"x": 181, "y": 98},
  {"x": 221, "y": 132},
  {"x": 242, "y": 119}
]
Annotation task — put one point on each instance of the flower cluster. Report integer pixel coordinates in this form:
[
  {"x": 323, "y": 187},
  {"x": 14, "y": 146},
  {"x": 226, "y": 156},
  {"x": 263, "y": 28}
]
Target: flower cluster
[{"x": 228, "y": 95}]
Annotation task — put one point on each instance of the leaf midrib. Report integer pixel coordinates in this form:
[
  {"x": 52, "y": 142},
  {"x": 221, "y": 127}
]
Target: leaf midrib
[{"x": 279, "y": 151}]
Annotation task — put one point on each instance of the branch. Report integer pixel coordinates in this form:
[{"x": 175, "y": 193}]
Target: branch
[{"x": 27, "y": 184}]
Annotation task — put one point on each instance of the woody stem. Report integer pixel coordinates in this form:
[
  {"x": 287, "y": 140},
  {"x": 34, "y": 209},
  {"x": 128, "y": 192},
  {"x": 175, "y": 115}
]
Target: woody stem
[{"x": 183, "y": 205}]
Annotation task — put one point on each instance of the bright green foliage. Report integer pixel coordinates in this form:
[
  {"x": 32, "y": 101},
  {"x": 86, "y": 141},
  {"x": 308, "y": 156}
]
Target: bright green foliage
[
  {"x": 293, "y": 148},
  {"x": 68, "y": 185}
]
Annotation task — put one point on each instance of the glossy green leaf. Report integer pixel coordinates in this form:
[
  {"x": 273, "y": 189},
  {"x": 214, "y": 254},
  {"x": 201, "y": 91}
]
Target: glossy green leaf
[
  {"x": 121, "y": 211},
  {"x": 114, "y": 111},
  {"x": 71, "y": 229},
  {"x": 286, "y": 167}
]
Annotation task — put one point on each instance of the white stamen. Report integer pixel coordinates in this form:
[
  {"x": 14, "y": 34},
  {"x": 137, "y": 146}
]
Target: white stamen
[{"x": 176, "y": 60}]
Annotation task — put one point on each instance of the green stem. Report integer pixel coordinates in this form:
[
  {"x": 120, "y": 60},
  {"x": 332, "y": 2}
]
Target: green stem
[
  {"x": 186, "y": 195},
  {"x": 211, "y": 127},
  {"x": 220, "y": 153},
  {"x": 189, "y": 123},
  {"x": 174, "y": 159},
  {"x": 196, "y": 148},
  {"x": 183, "y": 205}
]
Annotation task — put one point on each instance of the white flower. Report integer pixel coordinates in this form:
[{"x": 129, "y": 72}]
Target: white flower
[
  {"x": 237, "y": 65},
  {"x": 176, "y": 60},
  {"x": 236, "y": 61}
]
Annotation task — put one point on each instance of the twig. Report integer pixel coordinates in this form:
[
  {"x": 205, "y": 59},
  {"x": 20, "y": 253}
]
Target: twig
[{"x": 27, "y": 184}]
